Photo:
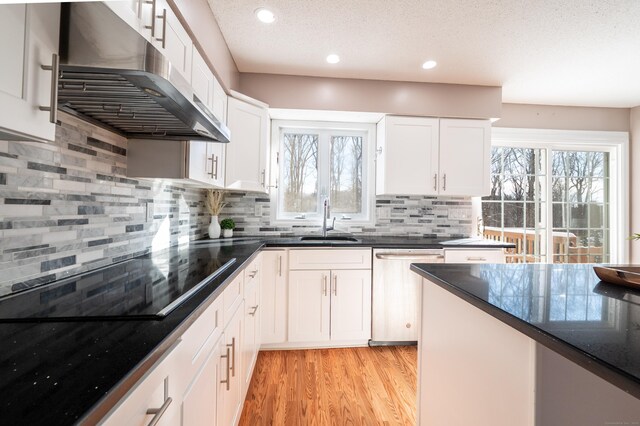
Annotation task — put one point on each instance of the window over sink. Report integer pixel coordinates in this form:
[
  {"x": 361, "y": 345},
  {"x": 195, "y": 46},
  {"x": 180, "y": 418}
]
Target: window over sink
[{"x": 317, "y": 160}]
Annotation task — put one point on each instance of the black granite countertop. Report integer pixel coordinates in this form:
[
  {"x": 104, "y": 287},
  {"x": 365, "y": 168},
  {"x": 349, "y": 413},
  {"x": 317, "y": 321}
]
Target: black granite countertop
[
  {"x": 56, "y": 373},
  {"x": 390, "y": 242},
  {"x": 59, "y": 373},
  {"x": 565, "y": 307}
]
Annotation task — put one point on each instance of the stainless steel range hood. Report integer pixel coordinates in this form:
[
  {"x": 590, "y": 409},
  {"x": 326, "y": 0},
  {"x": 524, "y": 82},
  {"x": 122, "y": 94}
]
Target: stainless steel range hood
[{"x": 113, "y": 77}]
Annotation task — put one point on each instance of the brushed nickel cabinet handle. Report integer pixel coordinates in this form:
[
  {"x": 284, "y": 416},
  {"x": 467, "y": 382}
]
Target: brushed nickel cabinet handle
[
  {"x": 211, "y": 172},
  {"x": 226, "y": 381},
  {"x": 435, "y": 181},
  {"x": 255, "y": 309},
  {"x": 279, "y": 265},
  {"x": 215, "y": 163},
  {"x": 444, "y": 182},
  {"x": 152, "y": 27},
  {"x": 164, "y": 28},
  {"x": 263, "y": 177},
  {"x": 477, "y": 258},
  {"x": 324, "y": 288},
  {"x": 55, "y": 75},
  {"x": 335, "y": 285},
  {"x": 158, "y": 412}
]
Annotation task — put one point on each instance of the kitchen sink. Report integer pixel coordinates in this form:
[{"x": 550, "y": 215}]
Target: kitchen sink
[{"x": 329, "y": 238}]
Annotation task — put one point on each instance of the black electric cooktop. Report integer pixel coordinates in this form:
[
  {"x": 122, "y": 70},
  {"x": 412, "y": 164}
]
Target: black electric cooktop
[{"x": 145, "y": 287}]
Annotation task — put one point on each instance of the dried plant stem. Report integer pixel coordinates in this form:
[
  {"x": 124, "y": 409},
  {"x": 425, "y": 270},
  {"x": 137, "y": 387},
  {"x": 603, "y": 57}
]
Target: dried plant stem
[{"x": 214, "y": 201}]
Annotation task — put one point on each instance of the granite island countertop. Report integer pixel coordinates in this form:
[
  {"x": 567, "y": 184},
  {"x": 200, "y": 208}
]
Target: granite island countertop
[
  {"x": 59, "y": 372},
  {"x": 565, "y": 307}
]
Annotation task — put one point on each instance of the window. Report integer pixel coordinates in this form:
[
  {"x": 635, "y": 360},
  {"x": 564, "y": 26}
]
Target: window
[
  {"x": 317, "y": 160},
  {"x": 555, "y": 200}
]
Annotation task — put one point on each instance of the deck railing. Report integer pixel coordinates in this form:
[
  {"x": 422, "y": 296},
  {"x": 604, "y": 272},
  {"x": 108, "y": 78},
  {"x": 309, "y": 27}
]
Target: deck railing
[{"x": 565, "y": 246}]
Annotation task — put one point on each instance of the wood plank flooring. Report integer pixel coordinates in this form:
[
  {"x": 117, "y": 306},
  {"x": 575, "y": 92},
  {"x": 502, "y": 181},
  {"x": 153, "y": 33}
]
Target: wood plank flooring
[{"x": 351, "y": 386}]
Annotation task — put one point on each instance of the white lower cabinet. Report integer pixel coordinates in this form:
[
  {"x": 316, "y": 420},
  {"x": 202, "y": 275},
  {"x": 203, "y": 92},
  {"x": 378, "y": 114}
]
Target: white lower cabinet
[
  {"x": 273, "y": 296},
  {"x": 156, "y": 397},
  {"x": 329, "y": 306},
  {"x": 251, "y": 335},
  {"x": 230, "y": 384},
  {"x": 199, "y": 403}
]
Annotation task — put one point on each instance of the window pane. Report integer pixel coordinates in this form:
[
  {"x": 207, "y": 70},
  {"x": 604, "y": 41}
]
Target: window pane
[
  {"x": 300, "y": 172},
  {"x": 581, "y": 220},
  {"x": 346, "y": 174}
]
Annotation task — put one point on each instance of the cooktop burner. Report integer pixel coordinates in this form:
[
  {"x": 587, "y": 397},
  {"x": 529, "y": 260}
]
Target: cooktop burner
[{"x": 146, "y": 287}]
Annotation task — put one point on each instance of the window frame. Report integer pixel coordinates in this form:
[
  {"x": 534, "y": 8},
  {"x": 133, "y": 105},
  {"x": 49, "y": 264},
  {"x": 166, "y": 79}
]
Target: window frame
[
  {"x": 368, "y": 173},
  {"x": 615, "y": 143}
]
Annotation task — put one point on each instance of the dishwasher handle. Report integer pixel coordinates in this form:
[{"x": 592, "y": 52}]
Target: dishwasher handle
[{"x": 409, "y": 256}]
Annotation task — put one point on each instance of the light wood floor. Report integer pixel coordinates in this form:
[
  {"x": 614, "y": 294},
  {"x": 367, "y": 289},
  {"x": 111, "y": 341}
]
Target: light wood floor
[{"x": 352, "y": 386}]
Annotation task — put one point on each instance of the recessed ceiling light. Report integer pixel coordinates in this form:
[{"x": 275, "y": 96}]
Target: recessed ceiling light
[
  {"x": 429, "y": 64},
  {"x": 333, "y": 58},
  {"x": 265, "y": 15}
]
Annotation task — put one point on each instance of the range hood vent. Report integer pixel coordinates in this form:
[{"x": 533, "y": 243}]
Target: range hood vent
[{"x": 113, "y": 77}]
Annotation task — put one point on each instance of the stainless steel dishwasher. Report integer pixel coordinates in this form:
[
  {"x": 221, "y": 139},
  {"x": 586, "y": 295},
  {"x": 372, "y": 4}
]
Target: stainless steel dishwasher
[{"x": 397, "y": 293}]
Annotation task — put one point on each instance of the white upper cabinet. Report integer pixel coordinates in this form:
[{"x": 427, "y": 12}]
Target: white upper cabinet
[
  {"x": 407, "y": 155},
  {"x": 247, "y": 153},
  {"x": 219, "y": 101},
  {"x": 136, "y": 13},
  {"x": 202, "y": 79},
  {"x": 169, "y": 37},
  {"x": 431, "y": 156},
  {"x": 465, "y": 155},
  {"x": 28, "y": 40}
]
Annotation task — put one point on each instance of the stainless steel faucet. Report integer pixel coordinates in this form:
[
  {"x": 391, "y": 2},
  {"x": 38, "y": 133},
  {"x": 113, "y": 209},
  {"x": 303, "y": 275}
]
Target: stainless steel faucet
[{"x": 325, "y": 216}]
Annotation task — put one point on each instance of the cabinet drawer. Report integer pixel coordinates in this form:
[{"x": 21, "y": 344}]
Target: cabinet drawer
[
  {"x": 201, "y": 336},
  {"x": 232, "y": 297},
  {"x": 330, "y": 259},
  {"x": 474, "y": 256},
  {"x": 159, "y": 387},
  {"x": 252, "y": 272}
]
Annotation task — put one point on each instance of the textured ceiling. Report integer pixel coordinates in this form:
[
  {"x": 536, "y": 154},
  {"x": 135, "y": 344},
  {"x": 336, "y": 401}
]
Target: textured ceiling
[{"x": 559, "y": 52}]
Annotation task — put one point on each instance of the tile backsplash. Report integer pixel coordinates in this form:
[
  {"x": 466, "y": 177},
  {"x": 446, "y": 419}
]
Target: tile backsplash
[
  {"x": 67, "y": 207},
  {"x": 419, "y": 216}
]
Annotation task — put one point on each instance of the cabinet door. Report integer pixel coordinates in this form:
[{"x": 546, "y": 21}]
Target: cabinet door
[
  {"x": 154, "y": 390},
  {"x": 199, "y": 403},
  {"x": 28, "y": 38},
  {"x": 309, "y": 306},
  {"x": 465, "y": 155},
  {"x": 246, "y": 155},
  {"x": 201, "y": 79},
  {"x": 172, "y": 39},
  {"x": 136, "y": 13},
  {"x": 216, "y": 160},
  {"x": 350, "y": 305},
  {"x": 199, "y": 167},
  {"x": 230, "y": 397},
  {"x": 273, "y": 296},
  {"x": 219, "y": 102},
  {"x": 250, "y": 337},
  {"x": 407, "y": 161}
]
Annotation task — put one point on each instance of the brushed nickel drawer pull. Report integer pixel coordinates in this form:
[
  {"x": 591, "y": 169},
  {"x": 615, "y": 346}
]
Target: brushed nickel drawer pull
[
  {"x": 435, "y": 181},
  {"x": 444, "y": 182},
  {"x": 158, "y": 412},
  {"x": 233, "y": 356},
  {"x": 477, "y": 258},
  {"x": 335, "y": 285},
  {"x": 280, "y": 265}
]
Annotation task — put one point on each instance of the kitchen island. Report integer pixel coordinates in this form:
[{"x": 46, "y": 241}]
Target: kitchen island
[{"x": 529, "y": 344}]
